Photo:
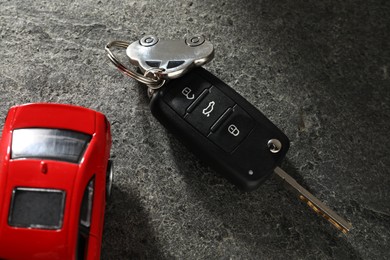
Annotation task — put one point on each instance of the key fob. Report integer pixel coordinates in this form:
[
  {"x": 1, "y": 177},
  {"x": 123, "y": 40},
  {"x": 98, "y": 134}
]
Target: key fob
[
  {"x": 173, "y": 57},
  {"x": 221, "y": 127}
]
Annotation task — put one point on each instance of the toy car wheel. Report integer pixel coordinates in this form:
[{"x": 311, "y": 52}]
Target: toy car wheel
[{"x": 109, "y": 178}]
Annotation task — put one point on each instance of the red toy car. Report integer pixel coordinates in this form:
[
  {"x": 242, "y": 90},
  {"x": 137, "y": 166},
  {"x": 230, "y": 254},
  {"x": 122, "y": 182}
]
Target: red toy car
[{"x": 55, "y": 176}]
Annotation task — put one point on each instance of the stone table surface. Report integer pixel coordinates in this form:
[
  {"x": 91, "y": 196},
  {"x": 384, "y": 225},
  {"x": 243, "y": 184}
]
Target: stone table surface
[{"x": 320, "y": 70}]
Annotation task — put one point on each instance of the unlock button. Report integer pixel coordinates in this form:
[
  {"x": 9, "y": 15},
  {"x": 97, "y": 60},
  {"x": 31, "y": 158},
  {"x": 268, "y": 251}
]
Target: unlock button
[
  {"x": 229, "y": 132},
  {"x": 186, "y": 90}
]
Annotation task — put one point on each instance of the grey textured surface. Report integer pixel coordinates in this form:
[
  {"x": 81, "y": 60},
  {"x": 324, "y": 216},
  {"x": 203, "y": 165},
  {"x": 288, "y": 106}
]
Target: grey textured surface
[{"x": 318, "y": 69}]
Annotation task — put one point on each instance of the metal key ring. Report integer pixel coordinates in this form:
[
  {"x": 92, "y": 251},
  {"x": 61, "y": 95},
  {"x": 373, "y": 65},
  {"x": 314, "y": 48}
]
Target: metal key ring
[
  {"x": 132, "y": 74},
  {"x": 154, "y": 74}
]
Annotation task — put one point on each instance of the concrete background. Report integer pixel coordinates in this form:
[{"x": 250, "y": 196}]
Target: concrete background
[{"x": 318, "y": 69}]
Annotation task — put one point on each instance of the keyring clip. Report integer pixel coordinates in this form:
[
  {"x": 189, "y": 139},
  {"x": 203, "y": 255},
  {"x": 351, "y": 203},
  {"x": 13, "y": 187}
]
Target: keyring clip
[
  {"x": 153, "y": 83},
  {"x": 154, "y": 72}
]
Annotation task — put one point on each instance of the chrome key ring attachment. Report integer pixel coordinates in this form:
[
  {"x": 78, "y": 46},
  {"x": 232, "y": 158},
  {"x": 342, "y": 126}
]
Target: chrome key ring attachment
[{"x": 153, "y": 82}]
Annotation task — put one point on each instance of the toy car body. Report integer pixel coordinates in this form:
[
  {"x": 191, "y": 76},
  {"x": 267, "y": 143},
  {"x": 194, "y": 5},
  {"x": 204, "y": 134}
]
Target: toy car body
[{"x": 55, "y": 174}]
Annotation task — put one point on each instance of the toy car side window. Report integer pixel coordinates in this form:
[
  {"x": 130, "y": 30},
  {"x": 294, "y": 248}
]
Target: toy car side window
[
  {"x": 56, "y": 144},
  {"x": 85, "y": 220},
  {"x": 86, "y": 205}
]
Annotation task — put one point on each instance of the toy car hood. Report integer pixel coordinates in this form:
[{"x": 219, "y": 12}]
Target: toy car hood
[{"x": 54, "y": 116}]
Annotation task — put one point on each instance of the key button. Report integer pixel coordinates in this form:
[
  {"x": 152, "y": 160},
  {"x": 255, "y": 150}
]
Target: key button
[
  {"x": 233, "y": 130},
  {"x": 208, "y": 110},
  {"x": 185, "y": 92}
]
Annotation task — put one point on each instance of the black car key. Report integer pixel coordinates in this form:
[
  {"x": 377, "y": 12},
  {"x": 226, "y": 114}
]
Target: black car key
[
  {"x": 220, "y": 127},
  {"x": 228, "y": 133},
  {"x": 213, "y": 120}
]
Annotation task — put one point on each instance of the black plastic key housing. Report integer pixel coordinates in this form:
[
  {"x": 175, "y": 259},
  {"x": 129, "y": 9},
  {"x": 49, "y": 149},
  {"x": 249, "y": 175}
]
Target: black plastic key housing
[{"x": 220, "y": 127}]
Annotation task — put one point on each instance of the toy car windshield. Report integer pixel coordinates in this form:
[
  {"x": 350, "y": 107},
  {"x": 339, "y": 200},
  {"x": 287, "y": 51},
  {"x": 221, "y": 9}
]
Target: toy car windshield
[{"x": 56, "y": 144}]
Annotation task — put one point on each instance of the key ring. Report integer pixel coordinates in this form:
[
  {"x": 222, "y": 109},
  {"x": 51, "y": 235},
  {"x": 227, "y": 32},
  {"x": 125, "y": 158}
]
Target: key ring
[
  {"x": 153, "y": 83},
  {"x": 154, "y": 74}
]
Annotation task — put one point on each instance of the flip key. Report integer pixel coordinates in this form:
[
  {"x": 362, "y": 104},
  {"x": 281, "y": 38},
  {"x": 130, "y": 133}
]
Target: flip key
[
  {"x": 210, "y": 118},
  {"x": 230, "y": 134}
]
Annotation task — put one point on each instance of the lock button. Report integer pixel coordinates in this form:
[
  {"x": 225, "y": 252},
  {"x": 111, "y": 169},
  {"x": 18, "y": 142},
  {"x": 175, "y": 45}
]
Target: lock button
[{"x": 233, "y": 129}]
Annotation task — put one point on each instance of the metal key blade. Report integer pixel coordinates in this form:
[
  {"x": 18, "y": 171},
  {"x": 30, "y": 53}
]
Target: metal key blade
[{"x": 315, "y": 204}]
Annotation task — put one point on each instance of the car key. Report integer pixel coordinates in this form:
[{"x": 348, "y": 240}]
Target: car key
[
  {"x": 213, "y": 120},
  {"x": 230, "y": 134}
]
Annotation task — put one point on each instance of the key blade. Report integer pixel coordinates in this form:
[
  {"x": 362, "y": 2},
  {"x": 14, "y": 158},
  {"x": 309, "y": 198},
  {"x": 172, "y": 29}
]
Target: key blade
[{"x": 314, "y": 203}]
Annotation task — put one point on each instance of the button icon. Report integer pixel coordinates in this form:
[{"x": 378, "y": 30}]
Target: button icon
[
  {"x": 186, "y": 92},
  {"x": 233, "y": 130},
  {"x": 208, "y": 109}
]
